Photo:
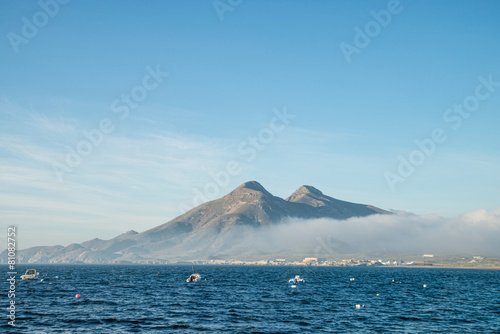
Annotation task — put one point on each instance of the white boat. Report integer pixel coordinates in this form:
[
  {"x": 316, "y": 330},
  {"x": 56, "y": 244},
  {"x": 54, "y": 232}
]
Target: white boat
[
  {"x": 194, "y": 278},
  {"x": 30, "y": 275},
  {"x": 297, "y": 280}
]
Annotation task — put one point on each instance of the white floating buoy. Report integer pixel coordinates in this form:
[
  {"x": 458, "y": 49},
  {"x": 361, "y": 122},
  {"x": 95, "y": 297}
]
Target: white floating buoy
[
  {"x": 352, "y": 279},
  {"x": 293, "y": 286},
  {"x": 425, "y": 285},
  {"x": 357, "y": 306}
]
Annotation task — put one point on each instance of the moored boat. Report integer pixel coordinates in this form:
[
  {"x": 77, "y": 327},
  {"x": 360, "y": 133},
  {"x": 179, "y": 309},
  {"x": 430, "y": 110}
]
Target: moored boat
[
  {"x": 30, "y": 275},
  {"x": 296, "y": 280},
  {"x": 194, "y": 278}
]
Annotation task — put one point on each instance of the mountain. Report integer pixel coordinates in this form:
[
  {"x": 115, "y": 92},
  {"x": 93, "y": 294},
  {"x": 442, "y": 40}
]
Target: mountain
[
  {"x": 224, "y": 228},
  {"x": 326, "y": 206}
]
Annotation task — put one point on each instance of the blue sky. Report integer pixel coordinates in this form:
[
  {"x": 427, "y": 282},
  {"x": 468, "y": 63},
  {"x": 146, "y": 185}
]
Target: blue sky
[{"x": 227, "y": 80}]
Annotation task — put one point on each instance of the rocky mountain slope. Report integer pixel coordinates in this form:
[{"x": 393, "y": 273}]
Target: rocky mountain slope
[{"x": 223, "y": 228}]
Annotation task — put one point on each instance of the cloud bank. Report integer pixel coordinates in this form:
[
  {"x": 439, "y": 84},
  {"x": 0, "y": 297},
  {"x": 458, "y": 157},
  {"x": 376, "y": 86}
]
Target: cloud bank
[{"x": 473, "y": 233}]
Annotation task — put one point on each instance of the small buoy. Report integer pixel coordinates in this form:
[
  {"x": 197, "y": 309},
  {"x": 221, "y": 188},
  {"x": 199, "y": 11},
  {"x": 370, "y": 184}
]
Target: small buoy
[
  {"x": 352, "y": 279},
  {"x": 357, "y": 306},
  {"x": 425, "y": 285},
  {"x": 293, "y": 286},
  {"x": 41, "y": 280},
  {"x": 377, "y": 294},
  {"x": 77, "y": 296}
]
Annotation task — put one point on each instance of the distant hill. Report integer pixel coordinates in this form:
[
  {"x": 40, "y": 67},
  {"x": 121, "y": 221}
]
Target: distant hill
[{"x": 222, "y": 228}]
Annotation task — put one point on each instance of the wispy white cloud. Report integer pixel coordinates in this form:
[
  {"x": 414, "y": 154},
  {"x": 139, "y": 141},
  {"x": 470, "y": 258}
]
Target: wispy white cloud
[
  {"x": 24, "y": 148},
  {"x": 139, "y": 179},
  {"x": 126, "y": 183},
  {"x": 56, "y": 126},
  {"x": 28, "y": 121}
]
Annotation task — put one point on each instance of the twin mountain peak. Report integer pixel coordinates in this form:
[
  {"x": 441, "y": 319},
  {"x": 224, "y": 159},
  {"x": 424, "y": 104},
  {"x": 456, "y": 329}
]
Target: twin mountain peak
[
  {"x": 305, "y": 202},
  {"x": 217, "y": 229},
  {"x": 252, "y": 205}
]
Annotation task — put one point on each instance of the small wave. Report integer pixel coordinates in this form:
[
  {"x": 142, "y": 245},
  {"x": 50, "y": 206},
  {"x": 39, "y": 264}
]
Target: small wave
[
  {"x": 409, "y": 318},
  {"x": 100, "y": 302}
]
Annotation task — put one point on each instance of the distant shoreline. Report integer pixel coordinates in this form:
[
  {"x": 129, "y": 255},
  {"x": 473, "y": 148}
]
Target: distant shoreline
[
  {"x": 447, "y": 267},
  {"x": 495, "y": 267}
]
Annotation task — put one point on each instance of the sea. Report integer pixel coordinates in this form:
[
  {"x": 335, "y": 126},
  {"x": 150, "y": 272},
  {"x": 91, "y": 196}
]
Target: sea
[{"x": 253, "y": 299}]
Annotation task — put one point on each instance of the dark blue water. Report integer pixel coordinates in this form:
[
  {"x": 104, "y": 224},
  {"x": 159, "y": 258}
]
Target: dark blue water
[{"x": 254, "y": 299}]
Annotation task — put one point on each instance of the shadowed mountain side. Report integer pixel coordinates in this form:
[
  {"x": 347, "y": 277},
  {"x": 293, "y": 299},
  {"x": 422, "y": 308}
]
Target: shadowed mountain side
[
  {"x": 120, "y": 242},
  {"x": 219, "y": 228},
  {"x": 326, "y": 206},
  {"x": 252, "y": 205},
  {"x": 248, "y": 205}
]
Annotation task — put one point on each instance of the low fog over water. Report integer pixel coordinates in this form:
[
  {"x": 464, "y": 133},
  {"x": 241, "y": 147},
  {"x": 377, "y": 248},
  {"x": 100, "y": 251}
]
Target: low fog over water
[{"x": 473, "y": 233}]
